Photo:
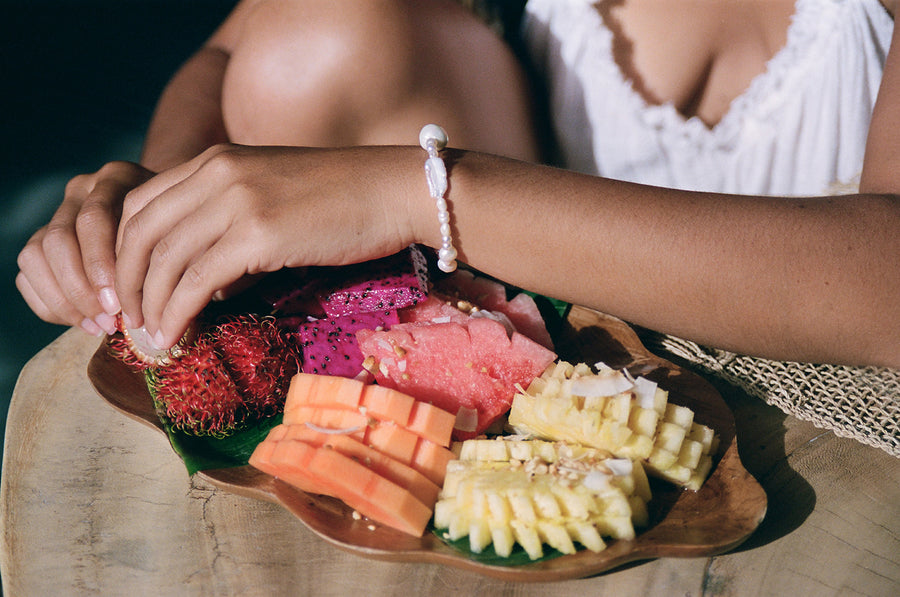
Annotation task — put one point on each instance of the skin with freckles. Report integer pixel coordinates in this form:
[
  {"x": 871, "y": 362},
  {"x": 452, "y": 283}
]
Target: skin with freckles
[{"x": 241, "y": 188}]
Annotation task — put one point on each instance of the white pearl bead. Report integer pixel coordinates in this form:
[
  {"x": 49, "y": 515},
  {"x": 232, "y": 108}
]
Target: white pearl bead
[
  {"x": 443, "y": 217},
  {"x": 433, "y": 131},
  {"x": 441, "y": 204},
  {"x": 447, "y": 254},
  {"x": 445, "y": 231},
  {"x": 447, "y": 268}
]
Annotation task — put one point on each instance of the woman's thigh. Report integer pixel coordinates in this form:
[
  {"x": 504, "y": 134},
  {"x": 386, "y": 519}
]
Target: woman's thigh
[{"x": 354, "y": 72}]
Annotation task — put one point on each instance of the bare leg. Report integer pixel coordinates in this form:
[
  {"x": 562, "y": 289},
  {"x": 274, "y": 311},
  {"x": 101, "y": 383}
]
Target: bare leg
[{"x": 351, "y": 72}]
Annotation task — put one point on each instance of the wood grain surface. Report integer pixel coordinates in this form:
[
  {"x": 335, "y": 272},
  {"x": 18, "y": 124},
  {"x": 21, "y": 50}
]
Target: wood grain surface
[{"x": 96, "y": 503}]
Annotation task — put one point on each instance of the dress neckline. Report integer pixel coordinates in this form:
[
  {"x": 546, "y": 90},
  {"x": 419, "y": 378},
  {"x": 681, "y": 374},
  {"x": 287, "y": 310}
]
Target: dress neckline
[{"x": 800, "y": 33}]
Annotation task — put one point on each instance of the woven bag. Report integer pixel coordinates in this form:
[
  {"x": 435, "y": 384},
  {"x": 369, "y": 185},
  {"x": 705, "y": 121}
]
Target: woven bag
[{"x": 862, "y": 403}]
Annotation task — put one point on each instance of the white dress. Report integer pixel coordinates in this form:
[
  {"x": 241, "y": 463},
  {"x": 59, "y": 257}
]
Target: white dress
[{"x": 799, "y": 129}]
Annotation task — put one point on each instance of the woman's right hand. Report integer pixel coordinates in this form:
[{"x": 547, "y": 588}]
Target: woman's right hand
[{"x": 67, "y": 268}]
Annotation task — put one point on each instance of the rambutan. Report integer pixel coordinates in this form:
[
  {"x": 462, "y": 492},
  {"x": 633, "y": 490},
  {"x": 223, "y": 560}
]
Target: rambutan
[
  {"x": 133, "y": 347},
  {"x": 196, "y": 394},
  {"x": 259, "y": 358},
  {"x": 234, "y": 372}
]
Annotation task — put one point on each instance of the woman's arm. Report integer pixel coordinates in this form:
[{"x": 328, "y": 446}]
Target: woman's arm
[
  {"x": 799, "y": 279},
  {"x": 805, "y": 279},
  {"x": 188, "y": 115}
]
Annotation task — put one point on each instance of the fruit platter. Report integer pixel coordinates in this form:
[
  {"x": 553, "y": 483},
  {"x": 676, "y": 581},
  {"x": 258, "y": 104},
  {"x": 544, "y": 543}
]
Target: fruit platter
[{"x": 413, "y": 417}]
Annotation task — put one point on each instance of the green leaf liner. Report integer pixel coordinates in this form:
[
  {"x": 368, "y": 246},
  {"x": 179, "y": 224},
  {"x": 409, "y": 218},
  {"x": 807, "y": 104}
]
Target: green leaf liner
[
  {"x": 518, "y": 556},
  {"x": 207, "y": 452}
]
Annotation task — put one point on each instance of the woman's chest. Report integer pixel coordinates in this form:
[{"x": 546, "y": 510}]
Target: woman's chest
[{"x": 698, "y": 55}]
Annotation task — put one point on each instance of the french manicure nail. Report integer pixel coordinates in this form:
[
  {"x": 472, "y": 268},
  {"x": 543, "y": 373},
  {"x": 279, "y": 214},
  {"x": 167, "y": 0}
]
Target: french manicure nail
[
  {"x": 109, "y": 301},
  {"x": 91, "y": 328},
  {"x": 159, "y": 341},
  {"x": 106, "y": 322},
  {"x": 129, "y": 324}
]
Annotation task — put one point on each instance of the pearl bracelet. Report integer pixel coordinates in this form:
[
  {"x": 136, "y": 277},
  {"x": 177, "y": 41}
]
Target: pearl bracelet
[{"x": 433, "y": 138}]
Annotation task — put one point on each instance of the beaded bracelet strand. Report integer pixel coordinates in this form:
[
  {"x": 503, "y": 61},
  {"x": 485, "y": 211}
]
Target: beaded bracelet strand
[{"x": 433, "y": 138}]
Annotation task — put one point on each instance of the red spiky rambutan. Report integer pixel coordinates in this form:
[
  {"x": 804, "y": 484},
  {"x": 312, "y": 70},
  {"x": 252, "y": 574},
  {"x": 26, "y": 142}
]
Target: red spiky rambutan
[
  {"x": 133, "y": 347},
  {"x": 259, "y": 359},
  {"x": 213, "y": 382},
  {"x": 195, "y": 392}
]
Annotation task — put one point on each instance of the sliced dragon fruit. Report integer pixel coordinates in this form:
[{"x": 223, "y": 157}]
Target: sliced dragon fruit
[
  {"x": 388, "y": 283},
  {"x": 329, "y": 345}
]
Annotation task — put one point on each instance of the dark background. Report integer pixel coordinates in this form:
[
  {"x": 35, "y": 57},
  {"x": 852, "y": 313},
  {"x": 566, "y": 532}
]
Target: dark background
[{"x": 79, "y": 82}]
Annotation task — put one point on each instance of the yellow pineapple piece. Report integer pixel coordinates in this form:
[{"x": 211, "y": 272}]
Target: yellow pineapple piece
[
  {"x": 606, "y": 409},
  {"x": 557, "y": 494},
  {"x": 669, "y": 437}
]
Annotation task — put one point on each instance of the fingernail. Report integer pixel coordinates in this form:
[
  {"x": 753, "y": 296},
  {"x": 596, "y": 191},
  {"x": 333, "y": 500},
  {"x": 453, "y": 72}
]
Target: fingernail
[
  {"x": 159, "y": 341},
  {"x": 91, "y": 328},
  {"x": 129, "y": 324},
  {"x": 106, "y": 322},
  {"x": 109, "y": 301}
]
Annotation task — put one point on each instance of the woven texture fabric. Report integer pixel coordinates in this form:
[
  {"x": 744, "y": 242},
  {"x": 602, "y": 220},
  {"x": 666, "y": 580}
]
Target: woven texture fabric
[{"x": 862, "y": 403}]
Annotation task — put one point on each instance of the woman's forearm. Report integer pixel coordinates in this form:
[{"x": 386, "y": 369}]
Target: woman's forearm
[
  {"x": 805, "y": 279},
  {"x": 795, "y": 279},
  {"x": 188, "y": 116}
]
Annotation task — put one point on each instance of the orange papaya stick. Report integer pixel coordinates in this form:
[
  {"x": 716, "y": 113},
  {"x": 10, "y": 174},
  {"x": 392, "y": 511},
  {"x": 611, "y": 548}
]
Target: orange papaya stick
[
  {"x": 380, "y": 402},
  {"x": 261, "y": 458},
  {"x": 431, "y": 460},
  {"x": 389, "y": 468},
  {"x": 390, "y": 439},
  {"x": 309, "y": 389},
  {"x": 387, "y": 404},
  {"x": 328, "y": 472},
  {"x": 331, "y": 418},
  {"x": 431, "y": 422}
]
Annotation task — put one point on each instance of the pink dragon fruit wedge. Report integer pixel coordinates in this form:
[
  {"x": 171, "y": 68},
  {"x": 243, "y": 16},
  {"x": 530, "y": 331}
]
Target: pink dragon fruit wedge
[
  {"x": 329, "y": 345},
  {"x": 389, "y": 283}
]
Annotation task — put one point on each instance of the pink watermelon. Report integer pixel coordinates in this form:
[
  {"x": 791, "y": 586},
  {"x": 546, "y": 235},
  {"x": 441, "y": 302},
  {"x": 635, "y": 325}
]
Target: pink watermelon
[
  {"x": 470, "y": 366},
  {"x": 484, "y": 293},
  {"x": 433, "y": 310}
]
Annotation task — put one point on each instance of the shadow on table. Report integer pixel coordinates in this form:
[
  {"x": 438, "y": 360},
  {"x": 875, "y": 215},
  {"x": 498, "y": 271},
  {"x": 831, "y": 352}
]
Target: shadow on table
[{"x": 761, "y": 445}]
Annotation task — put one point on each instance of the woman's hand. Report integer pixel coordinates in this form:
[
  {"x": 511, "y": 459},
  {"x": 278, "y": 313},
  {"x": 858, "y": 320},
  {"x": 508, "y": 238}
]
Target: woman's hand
[
  {"x": 67, "y": 268},
  {"x": 198, "y": 228}
]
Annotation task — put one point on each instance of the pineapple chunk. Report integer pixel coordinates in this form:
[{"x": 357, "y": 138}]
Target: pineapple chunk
[
  {"x": 556, "y": 494},
  {"x": 649, "y": 428}
]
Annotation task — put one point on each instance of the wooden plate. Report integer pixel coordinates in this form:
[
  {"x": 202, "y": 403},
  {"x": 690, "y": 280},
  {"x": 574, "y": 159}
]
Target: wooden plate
[{"x": 727, "y": 509}]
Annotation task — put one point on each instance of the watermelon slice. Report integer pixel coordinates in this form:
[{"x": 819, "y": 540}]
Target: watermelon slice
[
  {"x": 463, "y": 368},
  {"x": 464, "y": 286}
]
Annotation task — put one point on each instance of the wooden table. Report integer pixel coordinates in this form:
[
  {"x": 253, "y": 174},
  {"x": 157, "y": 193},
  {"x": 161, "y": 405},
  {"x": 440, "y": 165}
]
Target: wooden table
[{"x": 96, "y": 503}]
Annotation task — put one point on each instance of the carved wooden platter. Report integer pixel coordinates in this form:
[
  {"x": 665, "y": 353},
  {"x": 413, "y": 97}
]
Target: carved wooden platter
[{"x": 713, "y": 520}]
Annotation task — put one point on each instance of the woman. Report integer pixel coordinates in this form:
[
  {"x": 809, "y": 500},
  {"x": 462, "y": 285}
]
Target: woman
[{"x": 812, "y": 279}]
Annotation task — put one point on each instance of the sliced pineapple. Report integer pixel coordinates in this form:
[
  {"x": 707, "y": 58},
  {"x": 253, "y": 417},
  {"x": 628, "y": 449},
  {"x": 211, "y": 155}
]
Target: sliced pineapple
[
  {"x": 536, "y": 493},
  {"x": 609, "y": 410}
]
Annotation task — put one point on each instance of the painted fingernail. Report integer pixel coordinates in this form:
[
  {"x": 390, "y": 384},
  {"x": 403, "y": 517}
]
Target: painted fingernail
[
  {"x": 91, "y": 328},
  {"x": 109, "y": 301},
  {"x": 159, "y": 341},
  {"x": 106, "y": 322},
  {"x": 127, "y": 321}
]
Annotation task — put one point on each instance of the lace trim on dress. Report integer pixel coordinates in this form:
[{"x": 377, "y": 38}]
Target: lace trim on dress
[{"x": 812, "y": 22}]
